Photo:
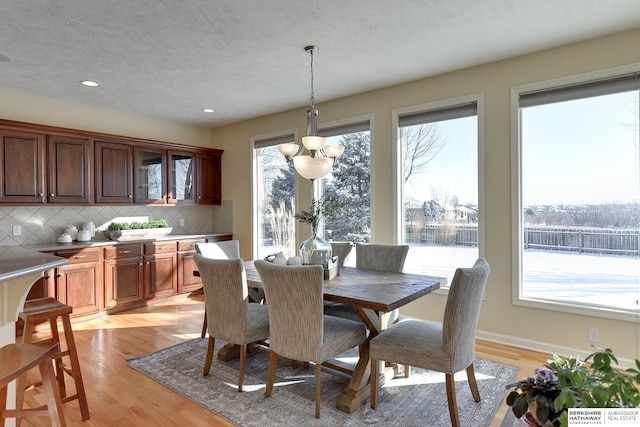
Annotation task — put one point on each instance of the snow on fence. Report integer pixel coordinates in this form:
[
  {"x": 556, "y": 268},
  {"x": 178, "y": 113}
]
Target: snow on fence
[{"x": 574, "y": 239}]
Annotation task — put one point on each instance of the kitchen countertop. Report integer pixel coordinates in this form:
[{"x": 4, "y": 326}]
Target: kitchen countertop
[
  {"x": 16, "y": 262},
  {"x": 101, "y": 241}
]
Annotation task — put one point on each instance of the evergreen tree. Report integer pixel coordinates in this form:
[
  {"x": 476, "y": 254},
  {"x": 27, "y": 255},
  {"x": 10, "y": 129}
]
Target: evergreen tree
[
  {"x": 350, "y": 183},
  {"x": 283, "y": 188}
]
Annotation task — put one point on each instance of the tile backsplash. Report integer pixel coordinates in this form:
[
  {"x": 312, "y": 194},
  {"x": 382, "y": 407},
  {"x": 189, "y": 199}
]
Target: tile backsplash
[{"x": 43, "y": 224}]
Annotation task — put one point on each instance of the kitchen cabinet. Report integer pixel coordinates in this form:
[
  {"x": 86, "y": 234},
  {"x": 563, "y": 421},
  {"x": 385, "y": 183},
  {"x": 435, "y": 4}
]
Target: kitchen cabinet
[
  {"x": 69, "y": 170},
  {"x": 181, "y": 177},
  {"x": 187, "y": 282},
  {"x": 160, "y": 269},
  {"x": 45, "y": 164},
  {"x": 114, "y": 180},
  {"x": 123, "y": 276},
  {"x": 209, "y": 182},
  {"x": 78, "y": 283},
  {"x": 151, "y": 175},
  {"x": 22, "y": 167}
]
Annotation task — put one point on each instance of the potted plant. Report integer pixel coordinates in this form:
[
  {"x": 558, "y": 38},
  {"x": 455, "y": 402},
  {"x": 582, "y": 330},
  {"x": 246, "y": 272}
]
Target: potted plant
[
  {"x": 568, "y": 382},
  {"x": 138, "y": 230}
]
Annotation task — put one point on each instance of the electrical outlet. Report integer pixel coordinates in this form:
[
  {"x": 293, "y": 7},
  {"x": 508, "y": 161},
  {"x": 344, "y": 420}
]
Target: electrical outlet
[
  {"x": 593, "y": 335},
  {"x": 181, "y": 222},
  {"x": 17, "y": 230}
]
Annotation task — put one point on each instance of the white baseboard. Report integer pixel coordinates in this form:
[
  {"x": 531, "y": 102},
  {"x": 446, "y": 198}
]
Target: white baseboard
[{"x": 546, "y": 347}]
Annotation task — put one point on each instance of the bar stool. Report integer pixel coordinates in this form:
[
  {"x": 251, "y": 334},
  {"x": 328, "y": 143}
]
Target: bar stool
[
  {"x": 15, "y": 361},
  {"x": 44, "y": 310}
]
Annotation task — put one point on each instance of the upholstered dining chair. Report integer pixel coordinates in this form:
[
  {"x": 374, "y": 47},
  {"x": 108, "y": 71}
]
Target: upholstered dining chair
[
  {"x": 342, "y": 250},
  {"x": 298, "y": 328},
  {"x": 447, "y": 348},
  {"x": 372, "y": 256},
  {"x": 231, "y": 317},
  {"x": 227, "y": 249},
  {"x": 381, "y": 257}
]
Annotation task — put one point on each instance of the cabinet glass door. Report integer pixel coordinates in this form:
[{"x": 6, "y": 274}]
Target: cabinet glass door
[
  {"x": 181, "y": 171},
  {"x": 150, "y": 175}
]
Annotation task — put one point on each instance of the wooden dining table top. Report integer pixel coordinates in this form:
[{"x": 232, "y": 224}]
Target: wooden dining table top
[{"x": 376, "y": 290}]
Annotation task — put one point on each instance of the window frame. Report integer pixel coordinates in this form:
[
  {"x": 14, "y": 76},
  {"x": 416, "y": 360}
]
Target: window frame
[
  {"x": 345, "y": 126},
  {"x": 255, "y": 142},
  {"x": 517, "y": 239},
  {"x": 398, "y": 185}
]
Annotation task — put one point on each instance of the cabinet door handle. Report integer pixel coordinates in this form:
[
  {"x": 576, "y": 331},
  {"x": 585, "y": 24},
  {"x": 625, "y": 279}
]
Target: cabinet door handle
[
  {"x": 129, "y": 196},
  {"x": 78, "y": 256},
  {"x": 60, "y": 275},
  {"x": 52, "y": 195},
  {"x": 124, "y": 252},
  {"x": 199, "y": 197}
]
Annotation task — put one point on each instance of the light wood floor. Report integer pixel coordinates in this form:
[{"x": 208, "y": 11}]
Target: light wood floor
[{"x": 119, "y": 396}]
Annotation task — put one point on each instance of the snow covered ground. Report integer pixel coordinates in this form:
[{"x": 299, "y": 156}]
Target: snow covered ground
[{"x": 603, "y": 280}]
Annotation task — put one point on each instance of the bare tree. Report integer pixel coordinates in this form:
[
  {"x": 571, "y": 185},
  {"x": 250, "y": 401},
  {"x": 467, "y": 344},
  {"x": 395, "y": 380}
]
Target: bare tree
[{"x": 421, "y": 144}]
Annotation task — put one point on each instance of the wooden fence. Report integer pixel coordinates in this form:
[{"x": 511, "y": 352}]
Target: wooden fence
[{"x": 575, "y": 239}]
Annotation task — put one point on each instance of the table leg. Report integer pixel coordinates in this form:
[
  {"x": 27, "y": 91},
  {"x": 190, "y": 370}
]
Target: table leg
[{"x": 359, "y": 389}]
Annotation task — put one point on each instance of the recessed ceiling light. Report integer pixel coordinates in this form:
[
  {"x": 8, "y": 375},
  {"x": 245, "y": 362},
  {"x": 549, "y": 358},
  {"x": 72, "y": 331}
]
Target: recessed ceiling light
[
  {"x": 208, "y": 110},
  {"x": 89, "y": 83}
]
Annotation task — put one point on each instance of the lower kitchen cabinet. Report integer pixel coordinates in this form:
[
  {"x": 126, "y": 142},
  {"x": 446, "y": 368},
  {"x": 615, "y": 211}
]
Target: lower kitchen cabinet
[
  {"x": 123, "y": 275},
  {"x": 160, "y": 269},
  {"x": 78, "y": 284},
  {"x": 187, "y": 282}
]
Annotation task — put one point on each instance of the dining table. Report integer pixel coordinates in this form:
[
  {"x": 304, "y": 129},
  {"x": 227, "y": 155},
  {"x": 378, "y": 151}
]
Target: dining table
[{"x": 373, "y": 295}]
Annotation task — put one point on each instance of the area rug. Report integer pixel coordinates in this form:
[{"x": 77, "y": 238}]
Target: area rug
[{"x": 419, "y": 400}]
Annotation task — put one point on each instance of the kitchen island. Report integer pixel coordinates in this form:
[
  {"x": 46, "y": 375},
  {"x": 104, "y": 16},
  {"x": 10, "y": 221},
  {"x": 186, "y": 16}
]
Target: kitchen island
[{"x": 19, "y": 269}]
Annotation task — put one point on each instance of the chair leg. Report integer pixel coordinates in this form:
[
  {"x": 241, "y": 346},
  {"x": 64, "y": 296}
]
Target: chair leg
[
  {"x": 207, "y": 362},
  {"x": 318, "y": 387},
  {"x": 204, "y": 324},
  {"x": 3, "y": 403},
  {"x": 54, "y": 405},
  {"x": 473, "y": 385},
  {"x": 374, "y": 383},
  {"x": 451, "y": 399},
  {"x": 243, "y": 356},
  {"x": 271, "y": 376},
  {"x": 75, "y": 368}
]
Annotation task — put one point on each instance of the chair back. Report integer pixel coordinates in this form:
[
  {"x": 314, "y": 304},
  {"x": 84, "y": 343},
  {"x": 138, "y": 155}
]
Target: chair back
[
  {"x": 462, "y": 311},
  {"x": 294, "y": 299},
  {"x": 388, "y": 258},
  {"x": 342, "y": 250},
  {"x": 226, "y": 296},
  {"x": 227, "y": 249}
]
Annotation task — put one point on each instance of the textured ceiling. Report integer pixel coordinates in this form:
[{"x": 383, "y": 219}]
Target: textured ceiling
[{"x": 245, "y": 58}]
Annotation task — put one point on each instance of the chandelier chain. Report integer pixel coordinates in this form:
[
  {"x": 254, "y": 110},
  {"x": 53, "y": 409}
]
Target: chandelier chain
[{"x": 312, "y": 100}]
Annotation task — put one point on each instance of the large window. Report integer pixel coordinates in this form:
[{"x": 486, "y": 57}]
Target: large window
[
  {"x": 349, "y": 182},
  {"x": 439, "y": 183},
  {"x": 274, "y": 194},
  {"x": 579, "y": 213}
]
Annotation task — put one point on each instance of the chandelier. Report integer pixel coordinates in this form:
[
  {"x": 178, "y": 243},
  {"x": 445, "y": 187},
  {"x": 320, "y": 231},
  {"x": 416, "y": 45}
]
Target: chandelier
[{"x": 315, "y": 159}]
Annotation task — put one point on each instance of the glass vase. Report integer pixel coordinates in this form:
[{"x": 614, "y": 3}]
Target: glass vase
[{"x": 315, "y": 250}]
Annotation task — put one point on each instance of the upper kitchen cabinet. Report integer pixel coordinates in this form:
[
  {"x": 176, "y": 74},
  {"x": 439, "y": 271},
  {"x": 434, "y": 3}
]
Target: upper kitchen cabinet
[
  {"x": 69, "y": 170},
  {"x": 209, "y": 186},
  {"x": 114, "y": 181},
  {"x": 22, "y": 162},
  {"x": 151, "y": 175},
  {"x": 181, "y": 177}
]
